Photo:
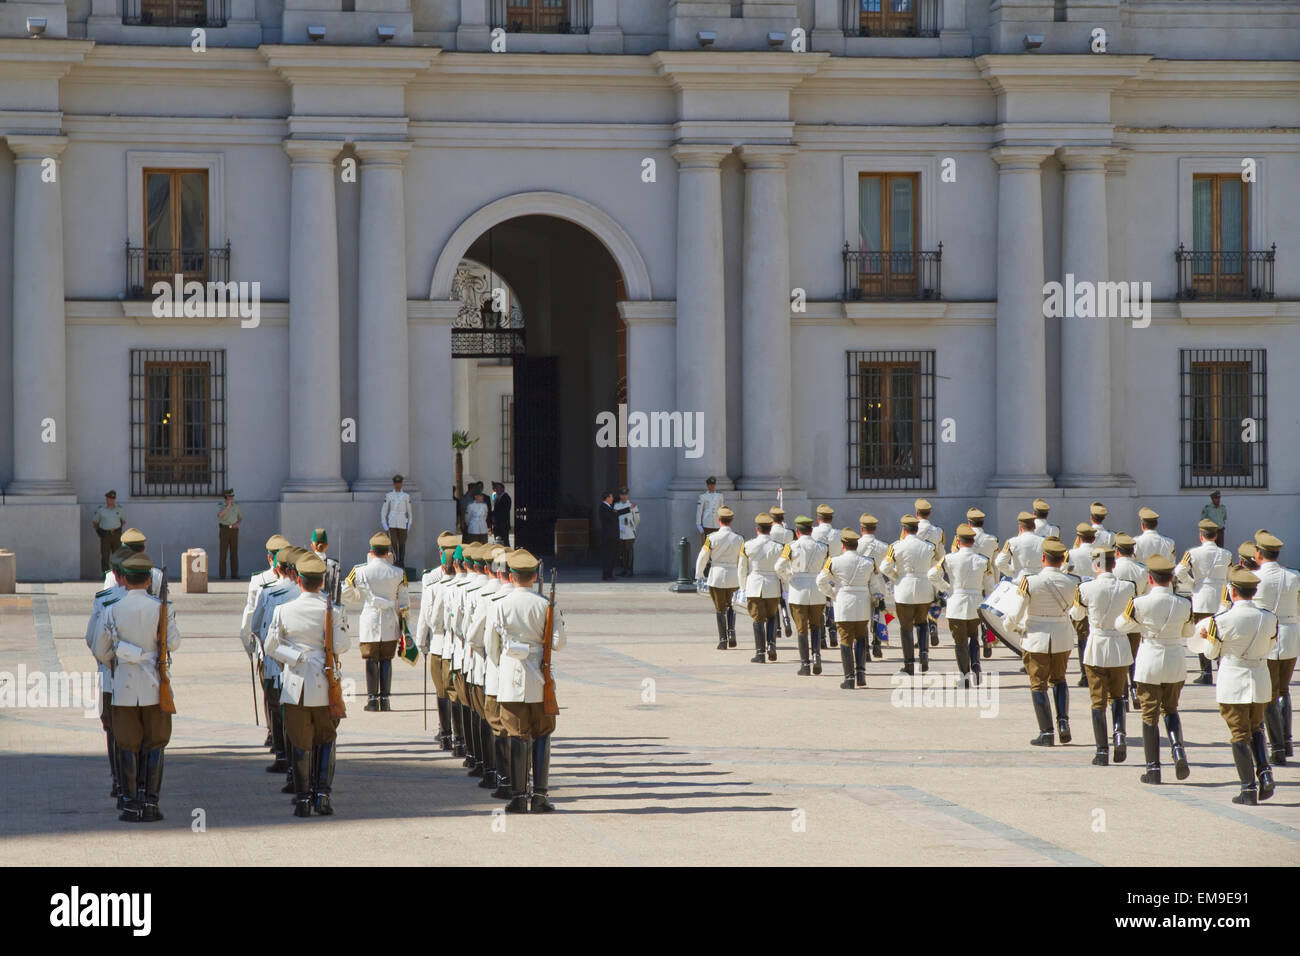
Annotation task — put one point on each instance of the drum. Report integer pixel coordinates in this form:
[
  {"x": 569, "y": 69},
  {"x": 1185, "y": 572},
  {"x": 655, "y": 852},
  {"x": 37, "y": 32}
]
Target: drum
[{"x": 1001, "y": 604}]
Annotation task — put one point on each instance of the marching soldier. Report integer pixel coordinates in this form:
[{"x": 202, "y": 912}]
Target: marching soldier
[
  {"x": 721, "y": 555},
  {"x": 800, "y": 562},
  {"x": 1022, "y": 554},
  {"x": 1044, "y": 619},
  {"x": 756, "y": 569},
  {"x": 1242, "y": 638},
  {"x": 380, "y": 588},
  {"x": 782, "y": 536},
  {"x": 1042, "y": 527},
  {"x": 320, "y": 545},
  {"x": 107, "y": 523},
  {"x": 127, "y": 642},
  {"x": 296, "y": 639},
  {"x": 1103, "y": 538},
  {"x": 1247, "y": 557},
  {"x": 1163, "y": 620},
  {"x": 1151, "y": 541},
  {"x": 987, "y": 545},
  {"x": 103, "y": 599},
  {"x": 934, "y": 534},
  {"x": 907, "y": 563},
  {"x": 1078, "y": 562},
  {"x": 707, "y": 508},
  {"x": 251, "y": 647},
  {"x": 875, "y": 549},
  {"x": 429, "y": 632},
  {"x": 1279, "y": 592},
  {"x": 281, "y": 591},
  {"x": 826, "y": 533},
  {"x": 1127, "y": 568},
  {"x": 1107, "y": 654},
  {"x": 962, "y": 575},
  {"x": 395, "y": 517},
  {"x": 133, "y": 540},
  {"x": 520, "y": 627},
  {"x": 849, "y": 580},
  {"x": 1204, "y": 570}
]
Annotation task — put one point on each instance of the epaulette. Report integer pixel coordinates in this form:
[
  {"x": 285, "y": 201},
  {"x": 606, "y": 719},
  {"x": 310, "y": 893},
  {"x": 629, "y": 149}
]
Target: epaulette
[
  {"x": 111, "y": 601},
  {"x": 100, "y": 594},
  {"x": 827, "y": 565}
]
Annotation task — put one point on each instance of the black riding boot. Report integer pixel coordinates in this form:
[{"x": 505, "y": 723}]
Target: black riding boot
[
  {"x": 815, "y": 648},
  {"x": 1102, "y": 757},
  {"x": 501, "y": 744},
  {"x": 471, "y": 742},
  {"x": 760, "y": 641},
  {"x": 804, "y": 667},
  {"x": 973, "y": 655},
  {"x": 1174, "y": 727},
  {"x": 1117, "y": 718},
  {"x": 457, "y": 729},
  {"x": 923, "y": 645},
  {"x": 985, "y": 640},
  {"x": 128, "y": 775},
  {"x": 1273, "y": 723},
  {"x": 1286, "y": 722},
  {"x": 877, "y": 651},
  {"x": 372, "y": 685},
  {"x": 1043, "y": 712},
  {"x": 721, "y": 619},
  {"x": 831, "y": 635},
  {"x": 1245, "y": 773},
  {"x": 1061, "y": 692},
  {"x": 860, "y": 661},
  {"x": 323, "y": 774},
  {"x": 301, "y": 758},
  {"x": 846, "y": 660},
  {"x": 932, "y": 628},
  {"x": 491, "y": 778},
  {"x": 731, "y": 627},
  {"x": 1133, "y": 687},
  {"x": 771, "y": 638},
  {"x": 444, "y": 723},
  {"x": 541, "y": 775},
  {"x": 1151, "y": 752},
  {"x": 385, "y": 684},
  {"x": 1083, "y": 674},
  {"x": 281, "y": 763},
  {"x": 1207, "y": 671},
  {"x": 909, "y": 666},
  {"x": 519, "y": 752},
  {"x": 1262, "y": 770},
  {"x": 153, "y": 774},
  {"x": 476, "y": 724},
  {"x": 112, "y": 767}
]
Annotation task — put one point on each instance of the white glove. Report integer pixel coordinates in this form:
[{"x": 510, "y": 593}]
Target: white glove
[
  {"x": 700, "y": 585},
  {"x": 385, "y": 525},
  {"x": 699, "y": 529}
]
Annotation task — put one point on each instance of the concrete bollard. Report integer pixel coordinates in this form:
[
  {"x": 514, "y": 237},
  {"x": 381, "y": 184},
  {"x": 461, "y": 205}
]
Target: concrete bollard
[
  {"x": 8, "y": 572},
  {"x": 194, "y": 571},
  {"x": 685, "y": 579}
]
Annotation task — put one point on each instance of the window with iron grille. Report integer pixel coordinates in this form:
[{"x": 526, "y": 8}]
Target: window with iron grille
[
  {"x": 178, "y": 422},
  {"x": 507, "y": 436},
  {"x": 542, "y": 16},
  {"x": 891, "y": 420},
  {"x": 1223, "y": 437}
]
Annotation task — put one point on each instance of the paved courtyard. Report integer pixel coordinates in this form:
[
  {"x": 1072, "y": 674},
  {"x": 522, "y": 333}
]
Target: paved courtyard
[{"x": 668, "y": 752}]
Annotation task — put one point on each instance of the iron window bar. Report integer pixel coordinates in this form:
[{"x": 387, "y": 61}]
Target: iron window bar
[
  {"x": 144, "y": 267},
  {"x": 177, "y": 415},
  {"x": 890, "y": 405},
  {"x": 890, "y": 18},
  {"x": 175, "y": 13},
  {"x": 892, "y": 275},
  {"x": 1223, "y": 418},
  {"x": 1225, "y": 276}
]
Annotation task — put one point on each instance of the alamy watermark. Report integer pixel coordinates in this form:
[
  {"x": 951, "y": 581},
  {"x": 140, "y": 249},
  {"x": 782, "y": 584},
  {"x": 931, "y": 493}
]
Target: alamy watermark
[
  {"x": 57, "y": 689},
  {"x": 945, "y": 690},
  {"x": 1098, "y": 300},
  {"x": 208, "y": 300},
  {"x": 623, "y": 429}
]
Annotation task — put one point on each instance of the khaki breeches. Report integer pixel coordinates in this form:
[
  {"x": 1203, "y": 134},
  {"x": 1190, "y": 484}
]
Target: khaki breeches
[
  {"x": 721, "y": 598},
  {"x": 1044, "y": 669},
  {"x": 1157, "y": 699},
  {"x": 492, "y": 713},
  {"x": 438, "y": 674},
  {"x": 808, "y": 617},
  {"x": 1242, "y": 720},
  {"x": 1105, "y": 683},
  {"x": 309, "y": 726},
  {"x": 852, "y": 631},
  {"x": 379, "y": 650},
  {"x": 142, "y": 728},
  {"x": 523, "y": 721},
  {"x": 761, "y": 608},
  {"x": 1280, "y": 674}
]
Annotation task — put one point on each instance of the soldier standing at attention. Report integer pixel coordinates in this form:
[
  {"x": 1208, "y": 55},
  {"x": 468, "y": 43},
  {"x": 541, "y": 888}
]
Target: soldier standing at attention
[
  {"x": 446, "y": 612},
  {"x": 963, "y": 574},
  {"x": 1045, "y": 621},
  {"x": 1078, "y": 562},
  {"x": 127, "y": 642},
  {"x": 280, "y": 591},
  {"x": 1151, "y": 541},
  {"x": 874, "y": 549},
  {"x": 133, "y": 540},
  {"x": 520, "y": 623},
  {"x": 380, "y": 589},
  {"x": 1279, "y": 592},
  {"x": 1163, "y": 620},
  {"x": 296, "y": 638},
  {"x": 987, "y": 545},
  {"x": 104, "y": 598},
  {"x": 1242, "y": 638},
  {"x": 720, "y": 554},
  {"x": 798, "y": 567},
  {"x": 847, "y": 579},
  {"x": 1127, "y": 568},
  {"x": 907, "y": 563},
  {"x": 1204, "y": 570},
  {"x": 934, "y": 534},
  {"x": 1097, "y": 512},
  {"x": 395, "y": 517},
  {"x": 1022, "y": 554},
  {"x": 706, "y": 509},
  {"x": 107, "y": 523},
  {"x": 229, "y": 517},
  {"x": 756, "y": 571},
  {"x": 429, "y": 630},
  {"x": 1218, "y": 514},
  {"x": 1107, "y": 656},
  {"x": 498, "y": 739},
  {"x": 251, "y": 648},
  {"x": 826, "y": 533},
  {"x": 1042, "y": 527},
  {"x": 320, "y": 545}
]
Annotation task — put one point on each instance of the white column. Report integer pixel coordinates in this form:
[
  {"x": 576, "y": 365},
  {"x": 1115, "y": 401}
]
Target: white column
[
  {"x": 40, "y": 349},
  {"x": 315, "y": 455},
  {"x": 1021, "y": 340},
  {"x": 701, "y": 336},
  {"x": 1085, "y": 343},
  {"x": 383, "y": 429},
  {"x": 605, "y": 35},
  {"x": 765, "y": 320}
]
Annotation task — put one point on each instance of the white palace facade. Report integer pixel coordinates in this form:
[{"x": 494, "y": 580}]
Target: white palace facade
[{"x": 819, "y": 231}]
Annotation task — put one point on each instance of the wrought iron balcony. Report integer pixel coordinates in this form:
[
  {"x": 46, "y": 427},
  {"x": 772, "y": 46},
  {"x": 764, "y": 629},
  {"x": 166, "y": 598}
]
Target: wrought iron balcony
[
  {"x": 1225, "y": 275},
  {"x": 542, "y": 16},
  {"x": 890, "y": 18},
  {"x": 144, "y": 267},
  {"x": 891, "y": 275},
  {"x": 175, "y": 13}
]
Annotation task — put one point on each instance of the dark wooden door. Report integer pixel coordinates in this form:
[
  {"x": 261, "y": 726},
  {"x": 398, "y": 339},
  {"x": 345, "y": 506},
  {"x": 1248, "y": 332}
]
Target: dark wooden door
[{"x": 536, "y": 452}]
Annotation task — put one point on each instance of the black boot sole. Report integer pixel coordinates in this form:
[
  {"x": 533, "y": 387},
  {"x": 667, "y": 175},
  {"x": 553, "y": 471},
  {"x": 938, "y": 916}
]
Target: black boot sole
[
  {"x": 817, "y": 667},
  {"x": 1181, "y": 770},
  {"x": 1151, "y": 776}
]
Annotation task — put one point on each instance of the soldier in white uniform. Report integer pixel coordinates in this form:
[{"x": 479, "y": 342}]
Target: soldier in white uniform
[
  {"x": 1279, "y": 592},
  {"x": 907, "y": 563},
  {"x": 1078, "y": 562},
  {"x": 782, "y": 536},
  {"x": 849, "y": 580},
  {"x": 756, "y": 570},
  {"x": 875, "y": 549},
  {"x": 103, "y": 599},
  {"x": 127, "y": 642},
  {"x": 445, "y": 613},
  {"x": 720, "y": 555},
  {"x": 520, "y": 626},
  {"x": 706, "y": 509},
  {"x": 296, "y": 639},
  {"x": 800, "y": 562},
  {"x": 280, "y": 591},
  {"x": 429, "y": 630},
  {"x": 380, "y": 588},
  {"x": 826, "y": 532},
  {"x": 1022, "y": 554},
  {"x": 1204, "y": 571},
  {"x": 255, "y": 585},
  {"x": 484, "y": 767},
  {"x": 395, "y": 517},
  {"x": 1163, "y": 620},
  {"x": 934, "y": 534},
  {"x": 1127, "y": 568},
  {"x": 500, "y": 740},
  {"x": 1044, "y": 618},
  {"x": 1151, "y": 541},
  {"x": 1042, "y": 527},
  {"x": 962, "y": 576},
  {"x": 320, "y": 545},
  {"x": 1100, "y": 600},
  {"x": 1242, "y": 638},
  {"x": 1103, "y": 538},
  {"x": 133, "y": 540},
  {"x": 463, "y": 655},
  {"x": 987, "y": 545}
]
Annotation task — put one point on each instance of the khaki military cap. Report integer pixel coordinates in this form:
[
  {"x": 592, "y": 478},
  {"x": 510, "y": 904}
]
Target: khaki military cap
[
  {"x": 228, "y": 492},
  {"x": 121, "y": 554},
  {"x": 1265, "y": 540},
  {"x": 1247, "y": 550},
  {"x": 1160, "y": 564},
  {"x": 974, "y": 514},
  {"x": 1124, "y": 540},
  {"x": 868, "y": 521},
  {"x": 1041, "y": 505},
  {"x": 470, "y": 551},
  {"x": 133, "y": 536},
  {"x": 1054, "y": 547},
  {"x": 286, "y": 556},
  {"x": 848, "y": 534},
  {"x": 1240, "y": 577},
  {"x": 965, "y": 531},
  {"x": 764, "y": 520},
  {"x": 397, "y": 478},
  {"x": 777, "y": 512},
  {"x": 803, "y": 521},
  {"x": 1208, "y": 526},
  {"x": 310, "y": 563},
  {"x": 380, "y": 540},
  {"x": 1084, "y": 528},
  {"x": 910, "y": 522},
  {"x": 521, "y": 560},
  {"x": 1102, "y": 553},
  {"x": 137, "y": 563},
  {"x": 1148, "y": 514},
  {"x": 110, "y": 494},
  {"x": 497, "y": 550},
  {"x": 725, "y": 512},
  {"x": 276, "y": 542},
  {"x": 448, "y": 540},
  {"x": 825, "y": 510},
  {"x": 1097, "y": 510},
  {"x": 920, "y": 504},
  {"x": 1024, "y": 516}
]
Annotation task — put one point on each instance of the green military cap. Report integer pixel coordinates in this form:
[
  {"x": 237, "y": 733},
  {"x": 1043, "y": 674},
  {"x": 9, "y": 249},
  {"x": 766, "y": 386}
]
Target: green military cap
[
  {"x": 910, "y": 522},
  {"x": 1240, "y": 577},
  {"x": 448, "y": 540},
  {"x": 1084, "y": 528},
  {"x": 776, "y": 512},
  {"x": 1101, "y": 553},
  {"x": 1054, "y": 547},
  {"x": 1124, "y": 540},
  {"x": 522, "y": 560},
  {"x": 138, "y": 563},
  {"x": 1148, "y": 514},
  {"x": 1041, "y": 505},
  {"x": 1247, "y": 550},
  {"x": 319, "y": 536},
  {"x": 380, "y": 540},
  {"x": 974, "y": 514},
  {"x": 921, "y": 505},
  {"x": 276, "y": 542},
  {"x": 459, "y": 553},
  {"x": 825, "y": 511},
  {"x": 110, "y": 493},
  {"x": 711, "y": 480},
  {"x": 310, "y": 563},
  {"x": 1097, "y": 510},
  {"x": 764, "y": 520},
  {"x": 868, "y": 520},
  {"x": 1265, "y": 540},
  {"x": 803, "y": 521},
  {"x": 965, "y": 531},
  {"x": 725, "y": 512},
  {"x": 397, "y": 478},
  {"x": 848, "y": 534},
  {"x": 1208, "y": 526},
  {"x": 1160, "y": 564},
  {"x": 1024, "y": 516},
  {"x": 133, "y": 536}
]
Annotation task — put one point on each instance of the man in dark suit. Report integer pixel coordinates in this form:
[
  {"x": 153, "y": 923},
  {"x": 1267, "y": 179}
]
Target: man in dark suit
[
  {"x": 608, "y": 536},
  {"x": 502, "y": 512}
]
